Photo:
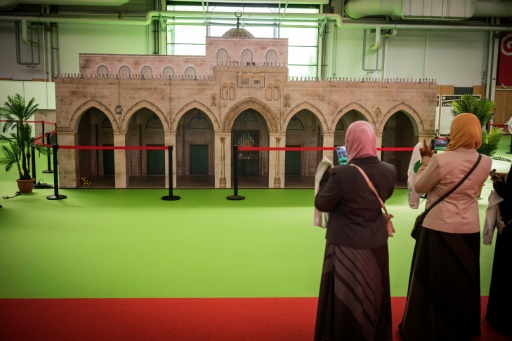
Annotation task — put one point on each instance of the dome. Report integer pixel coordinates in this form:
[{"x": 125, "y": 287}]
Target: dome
[{"x": 237, "y": 33}]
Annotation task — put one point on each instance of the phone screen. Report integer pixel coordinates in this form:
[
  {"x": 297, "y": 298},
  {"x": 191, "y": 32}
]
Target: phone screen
[
  {"x": 439, "y": 144},
  {"x": 342, "y": 155}
]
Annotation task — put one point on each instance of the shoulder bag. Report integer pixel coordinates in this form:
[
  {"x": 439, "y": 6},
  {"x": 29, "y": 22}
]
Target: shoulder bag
[
  {"x": 389, "y": 225},
  {"x": 419, "y": 220}
]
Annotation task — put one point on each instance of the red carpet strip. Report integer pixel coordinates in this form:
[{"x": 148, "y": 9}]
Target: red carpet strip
[{"x": 227, "y": 319}]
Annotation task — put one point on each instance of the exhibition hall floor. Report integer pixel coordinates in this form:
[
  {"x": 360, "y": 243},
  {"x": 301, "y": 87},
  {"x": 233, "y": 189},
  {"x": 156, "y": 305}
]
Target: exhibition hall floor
[{"x": 123, "y": 264}]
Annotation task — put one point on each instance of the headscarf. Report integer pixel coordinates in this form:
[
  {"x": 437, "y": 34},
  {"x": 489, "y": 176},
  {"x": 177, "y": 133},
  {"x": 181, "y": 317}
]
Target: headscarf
[
  {"x": 465, "y": 131},
  {"x": 360, "y": 140}
]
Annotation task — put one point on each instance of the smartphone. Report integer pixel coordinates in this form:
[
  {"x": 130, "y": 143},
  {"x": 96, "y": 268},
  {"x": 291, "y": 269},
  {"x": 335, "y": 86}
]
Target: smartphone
[
  {"x": 341, "y": 151},
  {"x": 440, "y": 143}
]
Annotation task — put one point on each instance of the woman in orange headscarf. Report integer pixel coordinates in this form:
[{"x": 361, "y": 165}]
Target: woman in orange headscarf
[{"x": 443, "y": 299}]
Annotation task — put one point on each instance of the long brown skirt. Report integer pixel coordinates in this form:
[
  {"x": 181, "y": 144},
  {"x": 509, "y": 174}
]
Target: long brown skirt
[
  {"x": 443, "y": 299},
  {"x": 354, "y": 302}
]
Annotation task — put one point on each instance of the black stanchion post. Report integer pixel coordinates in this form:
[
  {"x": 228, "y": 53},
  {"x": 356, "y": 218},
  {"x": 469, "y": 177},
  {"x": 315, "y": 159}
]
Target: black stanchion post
[
  {"x": 170, "y": 197},
  {"x": 510, "y": 151},
  {"x": 34, "y": 173},
  {"x": 235, "y": 196},
  {"x": 56, "y": 195},
  {"x": 49, "y": 170}
]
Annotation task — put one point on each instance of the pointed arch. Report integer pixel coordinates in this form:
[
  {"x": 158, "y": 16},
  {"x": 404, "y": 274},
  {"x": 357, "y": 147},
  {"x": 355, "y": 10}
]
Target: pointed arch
[
  {"x": 144, "y": 104},
  {"x": 92, "y": 103},
  {"x": 251, "y": 103},
  {"x": 409, "y": 111},
  {"x": 351, "y": 106},
  {"x": 306, "y": 106},
  {"x": 195, "y": 105}
]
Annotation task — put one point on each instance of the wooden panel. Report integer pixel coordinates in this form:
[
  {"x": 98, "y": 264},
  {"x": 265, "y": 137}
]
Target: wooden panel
[
  {"x": 503, "y": 100},
  {"x": 445, "y": 89},
  {"x": 479, "y": 90}
]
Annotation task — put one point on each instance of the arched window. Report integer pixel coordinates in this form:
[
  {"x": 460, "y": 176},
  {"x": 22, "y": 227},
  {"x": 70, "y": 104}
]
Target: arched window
[
  {"x": 222, "y": 56},
  {"x": 199, "y": 122},
  {"x": 146, "y": 72},
  {"x": 124, "y": 72},
  {"x": 247, "y": 57},
  {"x": 271, "y": 56},
  {"x": 102, "y": 71},
  {"x": 295, "y": 124},
  {"x": 190, "y": 72},
  {"x": 168, "y": 72}
]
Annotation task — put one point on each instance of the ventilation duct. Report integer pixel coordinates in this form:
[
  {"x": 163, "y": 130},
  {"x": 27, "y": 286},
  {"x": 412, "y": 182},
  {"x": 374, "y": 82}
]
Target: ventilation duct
[
  {"x": 429, "y": 9},
  {"x": 13, "y": 3}
]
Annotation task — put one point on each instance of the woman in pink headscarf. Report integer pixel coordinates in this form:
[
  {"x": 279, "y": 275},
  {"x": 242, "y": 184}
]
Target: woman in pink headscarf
[{"x": 354, "y": 301}]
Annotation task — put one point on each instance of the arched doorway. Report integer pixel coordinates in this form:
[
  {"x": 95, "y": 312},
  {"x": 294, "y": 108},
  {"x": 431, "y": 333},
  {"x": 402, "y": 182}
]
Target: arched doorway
[
  {"x": 195, "y": 151},
  {"x": 399, "y": 132},
  {"x": 96, "y": 167},
  {"x": 145, "y": 168},
  {"x": 303, "y": 130},
  {"x": 251, "y": 130},
  {"x": 341, "y": 129}
]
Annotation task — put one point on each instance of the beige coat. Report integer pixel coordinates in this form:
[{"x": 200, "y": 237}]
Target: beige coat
[{"x": 458, "y": 213}]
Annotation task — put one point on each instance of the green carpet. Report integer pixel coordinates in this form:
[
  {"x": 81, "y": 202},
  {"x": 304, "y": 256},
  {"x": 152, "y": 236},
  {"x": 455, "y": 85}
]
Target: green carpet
[{"x": 128, "y": 243}]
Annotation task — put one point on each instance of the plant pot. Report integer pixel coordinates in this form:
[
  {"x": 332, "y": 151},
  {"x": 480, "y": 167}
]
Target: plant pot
[{"x": 26, "y": 186}]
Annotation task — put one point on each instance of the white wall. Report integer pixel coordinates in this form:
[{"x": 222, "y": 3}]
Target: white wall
[{"x": 449, "y": 57}]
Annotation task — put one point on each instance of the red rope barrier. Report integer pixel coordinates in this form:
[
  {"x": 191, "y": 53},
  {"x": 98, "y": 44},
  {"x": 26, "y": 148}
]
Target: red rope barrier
[
  {"x": 384, "y": 149},
  {"x": 114, "y": 147}
]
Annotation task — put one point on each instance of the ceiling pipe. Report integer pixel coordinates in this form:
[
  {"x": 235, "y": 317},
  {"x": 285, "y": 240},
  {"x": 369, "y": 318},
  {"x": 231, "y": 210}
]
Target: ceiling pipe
[
  {"x": 170, "y": 15},
  {"x": 290, "y": 2},
  {"x": 302, "y": 17},
  {"x": 377, "y": 39},
  {"x": 13, "y": 3},
  {"x": 362, "y": 24}
]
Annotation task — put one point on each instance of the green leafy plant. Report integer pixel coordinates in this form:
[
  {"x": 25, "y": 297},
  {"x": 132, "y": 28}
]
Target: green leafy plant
[
  {"x": 480, "y": 107},
  {"x": 18, "y": 145},
  {"x": 483, "y": 109},
  {"x": 490, "y": 141}
]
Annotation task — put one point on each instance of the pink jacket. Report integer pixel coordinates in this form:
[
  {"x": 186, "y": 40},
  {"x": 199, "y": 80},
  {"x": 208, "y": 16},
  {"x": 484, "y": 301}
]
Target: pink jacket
[{"x": 458, "y": 213}]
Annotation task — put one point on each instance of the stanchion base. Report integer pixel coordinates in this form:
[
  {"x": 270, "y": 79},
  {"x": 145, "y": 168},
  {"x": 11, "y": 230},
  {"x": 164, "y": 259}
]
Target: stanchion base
[
  {"x": 56, "y": 197},
  {"x": 235, "y": 197},
  {"x": 47, "y": 171},
  {"x": 169, "y": 198}
]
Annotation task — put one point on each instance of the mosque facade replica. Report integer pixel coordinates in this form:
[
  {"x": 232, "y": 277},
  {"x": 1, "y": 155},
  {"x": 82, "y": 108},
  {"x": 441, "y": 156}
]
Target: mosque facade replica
[{"x": 239, "y": 93}]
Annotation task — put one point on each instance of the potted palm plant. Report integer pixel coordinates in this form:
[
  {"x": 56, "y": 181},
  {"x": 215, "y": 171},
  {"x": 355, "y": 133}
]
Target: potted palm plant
[
  {"x": 16, "y": 140},
  {"x": 482, "y": 108}
]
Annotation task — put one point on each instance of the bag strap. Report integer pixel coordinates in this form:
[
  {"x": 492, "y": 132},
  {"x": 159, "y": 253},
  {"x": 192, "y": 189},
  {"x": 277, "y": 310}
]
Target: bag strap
[
  {"x": 372, "y": 187},
  {"x": 456, "y": 186}
]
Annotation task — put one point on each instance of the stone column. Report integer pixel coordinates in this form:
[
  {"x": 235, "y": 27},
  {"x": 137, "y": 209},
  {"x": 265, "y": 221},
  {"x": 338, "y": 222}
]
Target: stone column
[
  {"x": 223, "y": 157},
  {"x": 276, "y": 161},
  {"x": 328, "y": 142},
  {"x": 68, "y": 161},
  {"x": 120, "y": 166},
  {"x": 378, "y": 140}
]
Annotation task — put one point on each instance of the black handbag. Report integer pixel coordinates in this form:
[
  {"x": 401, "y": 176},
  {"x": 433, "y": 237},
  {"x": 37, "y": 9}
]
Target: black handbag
[{"x": 418, "y": 223}]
